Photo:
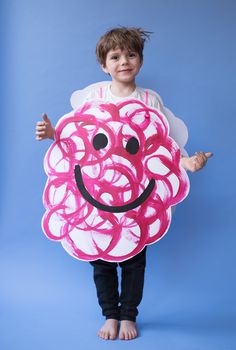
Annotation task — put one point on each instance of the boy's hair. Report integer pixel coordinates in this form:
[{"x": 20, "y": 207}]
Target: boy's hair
[{"x": 124, "y": 38}]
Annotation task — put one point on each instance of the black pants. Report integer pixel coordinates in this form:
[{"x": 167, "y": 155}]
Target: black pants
[{"x": 123, "y": 306}]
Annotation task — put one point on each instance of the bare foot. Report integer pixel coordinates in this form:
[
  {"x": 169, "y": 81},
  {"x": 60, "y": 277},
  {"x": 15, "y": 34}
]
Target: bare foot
[
  {"x": 128, "y": 330},
  {"x": 109, "y": 329}
]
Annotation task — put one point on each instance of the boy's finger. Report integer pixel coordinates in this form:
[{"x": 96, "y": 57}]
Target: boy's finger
[
  {"x": 208, "y": 154},
  {"x": 40, "y": 132},
  {"x": 40, "y": 127},
  {"x": 45, "y": 117},
  {"x": 38, "y": 138}
]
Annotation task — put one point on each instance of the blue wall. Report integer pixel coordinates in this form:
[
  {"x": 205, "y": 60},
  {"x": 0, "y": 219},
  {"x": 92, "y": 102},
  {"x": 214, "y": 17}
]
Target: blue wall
[{"x": 47, "y": 298}]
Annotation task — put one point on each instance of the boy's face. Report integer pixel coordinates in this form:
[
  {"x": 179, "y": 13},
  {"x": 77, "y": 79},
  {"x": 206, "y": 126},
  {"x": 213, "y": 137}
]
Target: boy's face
[{"x": 122, "y": 65}]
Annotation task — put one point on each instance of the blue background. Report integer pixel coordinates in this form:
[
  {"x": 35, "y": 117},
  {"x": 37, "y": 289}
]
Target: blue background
[{"x": 47, "y": 298}]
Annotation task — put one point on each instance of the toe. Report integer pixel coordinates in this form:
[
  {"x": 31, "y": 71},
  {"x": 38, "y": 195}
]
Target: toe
[
  {"x": 121, "y": 335},
  {"x": 112, "y": 336}
]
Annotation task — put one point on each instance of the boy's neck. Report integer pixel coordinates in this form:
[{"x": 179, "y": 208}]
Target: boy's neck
[{"x": 122, "y": 89}]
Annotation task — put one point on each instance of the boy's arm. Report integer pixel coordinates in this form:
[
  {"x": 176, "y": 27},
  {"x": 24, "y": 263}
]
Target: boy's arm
[
  {"x": 44, "y": 129},
  {"x": 196, "y": 162}
]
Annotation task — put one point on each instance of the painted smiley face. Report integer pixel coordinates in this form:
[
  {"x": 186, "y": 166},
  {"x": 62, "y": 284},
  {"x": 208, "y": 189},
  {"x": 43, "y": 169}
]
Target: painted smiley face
[
  {"x": 100, "y": 141},
  {"x": 113, "y": 175}
]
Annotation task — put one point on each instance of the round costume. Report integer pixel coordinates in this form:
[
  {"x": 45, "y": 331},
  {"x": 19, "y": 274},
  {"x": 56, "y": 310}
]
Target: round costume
[{"x": 113, "y": 175}]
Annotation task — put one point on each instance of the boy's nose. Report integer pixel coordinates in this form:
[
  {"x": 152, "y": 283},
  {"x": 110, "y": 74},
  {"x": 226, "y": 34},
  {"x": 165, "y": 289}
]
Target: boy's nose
[{"x": 124, "y": 60}]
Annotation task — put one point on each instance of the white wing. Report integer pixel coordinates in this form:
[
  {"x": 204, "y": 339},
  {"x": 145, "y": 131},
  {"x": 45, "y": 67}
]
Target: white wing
[
  {"x": 178, "y": 129},
  {"x": 79, "y": 96}
]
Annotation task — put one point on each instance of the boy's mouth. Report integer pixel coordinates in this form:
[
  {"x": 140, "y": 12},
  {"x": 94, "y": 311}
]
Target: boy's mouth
[
  {"x": 125, "y": 70},
  {"x": 110, "y": 208}
]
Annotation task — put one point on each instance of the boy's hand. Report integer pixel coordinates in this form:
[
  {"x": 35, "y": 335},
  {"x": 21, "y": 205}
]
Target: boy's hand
[
  {"x": 44, "y": 129},
  {"x": 196, "y": 162}
]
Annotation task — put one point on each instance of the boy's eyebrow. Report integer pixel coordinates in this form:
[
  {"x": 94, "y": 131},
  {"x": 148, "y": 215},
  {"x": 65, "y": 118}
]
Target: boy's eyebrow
[
  {"x": 112, "y": 52},
  {"x": 118, "y": 51}
]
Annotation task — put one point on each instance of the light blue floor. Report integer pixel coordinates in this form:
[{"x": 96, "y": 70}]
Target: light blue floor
[
  {"x": 48, "y": 301},
  {"x": 66, "y": 324},
  {"x": 58, "y": 327}
]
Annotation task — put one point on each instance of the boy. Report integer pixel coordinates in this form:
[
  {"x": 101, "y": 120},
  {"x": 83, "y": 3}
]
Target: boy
[{"x": 120, "y": 54}]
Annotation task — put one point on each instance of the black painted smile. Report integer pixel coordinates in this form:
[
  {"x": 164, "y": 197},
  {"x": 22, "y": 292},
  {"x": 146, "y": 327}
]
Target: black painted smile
[{"x": 112, "y": 209}]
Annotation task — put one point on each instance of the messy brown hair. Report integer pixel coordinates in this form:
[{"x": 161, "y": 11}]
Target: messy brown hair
[{"x": 124, "y": 38}]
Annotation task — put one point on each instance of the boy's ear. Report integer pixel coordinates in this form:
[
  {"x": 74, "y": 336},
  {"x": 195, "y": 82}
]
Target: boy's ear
[{"x": 104, "y": 69}]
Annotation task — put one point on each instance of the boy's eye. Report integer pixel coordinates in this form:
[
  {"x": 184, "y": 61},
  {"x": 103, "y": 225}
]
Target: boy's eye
[
  {"x": 115, "y": 57},
  {"x": 132, "y": 54}
]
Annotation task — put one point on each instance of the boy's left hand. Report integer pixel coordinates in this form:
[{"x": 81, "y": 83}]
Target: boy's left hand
[{"x": 196, "y": 162}]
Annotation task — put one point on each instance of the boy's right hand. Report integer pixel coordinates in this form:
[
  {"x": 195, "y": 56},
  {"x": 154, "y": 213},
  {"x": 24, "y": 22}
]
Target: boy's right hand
[{"x": 44, "y": 129}]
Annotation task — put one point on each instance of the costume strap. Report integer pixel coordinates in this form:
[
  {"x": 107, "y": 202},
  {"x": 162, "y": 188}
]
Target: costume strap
[
  {"x": 146, "y": 97},
  {"x": 100, "y": 92}
]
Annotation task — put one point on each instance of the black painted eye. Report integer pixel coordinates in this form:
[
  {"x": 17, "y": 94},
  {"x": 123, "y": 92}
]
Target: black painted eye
[
  {"x": 100, "y": 141},
  {"x": 132, "y": 145}
]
